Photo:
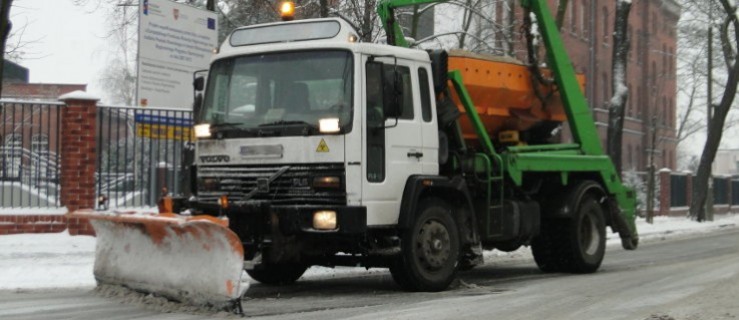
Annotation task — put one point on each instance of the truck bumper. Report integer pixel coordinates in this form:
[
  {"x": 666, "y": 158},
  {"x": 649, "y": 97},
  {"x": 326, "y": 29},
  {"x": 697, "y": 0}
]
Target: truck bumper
[{"x": 263, "y": 217}]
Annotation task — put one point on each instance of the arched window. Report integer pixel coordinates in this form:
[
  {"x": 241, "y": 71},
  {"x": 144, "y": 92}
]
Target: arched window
[
  {"x": 605, "y": 89},
  {"x": 14, "y": 140},
  {"x": 40, "y": 143},
  {"x": 582, "y": 16},
  {"x": 606, "y": 25},
  {"x": 573, "y": 19}
]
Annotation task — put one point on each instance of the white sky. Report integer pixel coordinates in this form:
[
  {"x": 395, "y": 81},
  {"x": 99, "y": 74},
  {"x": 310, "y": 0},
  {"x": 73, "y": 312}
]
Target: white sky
[{"x": 66, "y": 42}]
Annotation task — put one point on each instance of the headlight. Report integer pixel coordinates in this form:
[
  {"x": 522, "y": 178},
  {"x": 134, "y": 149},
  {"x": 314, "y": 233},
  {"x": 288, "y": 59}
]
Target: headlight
[
  {"x": 202, "y": 130},
  {"x": 329, "y": 125},
  {"x": 324, "y": 220},
  {"x": 327, "y": 182}
]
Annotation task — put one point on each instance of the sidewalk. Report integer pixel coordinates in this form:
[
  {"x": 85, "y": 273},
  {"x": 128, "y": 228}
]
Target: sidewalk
[{"x": 58, "y": 260}]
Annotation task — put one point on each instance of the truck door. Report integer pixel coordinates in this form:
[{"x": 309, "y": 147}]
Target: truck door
[
  {"x": 393, "y": 148},
  {"x": 429, "y": 128}
]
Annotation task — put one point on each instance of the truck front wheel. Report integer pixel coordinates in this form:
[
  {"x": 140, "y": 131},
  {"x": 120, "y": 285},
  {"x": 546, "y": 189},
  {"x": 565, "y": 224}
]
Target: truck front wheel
[
  {"x": 574, "y": 245},
  {"x": 278, "y": 274},
  {"x": 430, "y": 250}
]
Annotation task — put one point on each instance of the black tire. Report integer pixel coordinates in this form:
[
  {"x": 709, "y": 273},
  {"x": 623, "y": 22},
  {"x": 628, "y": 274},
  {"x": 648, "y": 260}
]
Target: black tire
[
  {"x": 278, "y": 274},
  {"x": 430, "y": 250},
  {"x": 572, "y": 245}
]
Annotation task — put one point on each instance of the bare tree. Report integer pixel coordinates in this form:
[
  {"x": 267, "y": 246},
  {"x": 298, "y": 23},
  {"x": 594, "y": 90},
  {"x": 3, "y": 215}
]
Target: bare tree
[
  {"x": 616, "y": 107},
  {"x": 728, "y": 38},
  {"x": 5, "y": 27}
]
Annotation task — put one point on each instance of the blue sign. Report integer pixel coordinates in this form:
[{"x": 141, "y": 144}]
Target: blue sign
[{"x": 163, "y": 120}]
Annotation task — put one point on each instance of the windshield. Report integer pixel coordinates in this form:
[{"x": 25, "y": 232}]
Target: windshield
[{"x": 280, "y": 90}]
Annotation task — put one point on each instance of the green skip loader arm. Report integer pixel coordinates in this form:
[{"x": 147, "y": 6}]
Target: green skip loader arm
[
  {"x": 590, "y": 157},
  {"x": 585, "y": 156}
]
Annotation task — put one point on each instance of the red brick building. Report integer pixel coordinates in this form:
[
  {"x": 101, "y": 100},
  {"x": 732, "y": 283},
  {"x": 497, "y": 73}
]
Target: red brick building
[
  {"x": 588, "y": 35},
  {"x": 651, "y": 73}
]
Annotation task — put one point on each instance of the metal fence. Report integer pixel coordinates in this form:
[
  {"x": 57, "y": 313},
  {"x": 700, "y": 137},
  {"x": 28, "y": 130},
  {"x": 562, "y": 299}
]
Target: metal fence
[
  {"x": 678, "y": 190},
  {"x": 29, "y": 154},
  {"x": 140, "y": 151},
  {"x": 720, "y": 190}
]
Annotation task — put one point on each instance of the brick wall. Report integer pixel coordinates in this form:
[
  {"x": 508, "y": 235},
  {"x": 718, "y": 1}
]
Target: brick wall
[
  {"x": 32, "y": 224},
  {"x": 77, "y": 174}
]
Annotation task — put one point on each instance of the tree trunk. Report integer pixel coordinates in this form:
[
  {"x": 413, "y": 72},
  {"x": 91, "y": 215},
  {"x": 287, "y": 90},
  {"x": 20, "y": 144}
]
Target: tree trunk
[
  {"x": 616, "y": 108},
  {"x": 5, "y": 26},
  {"x": 716, "y": 127},
  {"x": 650, "y": 193}
]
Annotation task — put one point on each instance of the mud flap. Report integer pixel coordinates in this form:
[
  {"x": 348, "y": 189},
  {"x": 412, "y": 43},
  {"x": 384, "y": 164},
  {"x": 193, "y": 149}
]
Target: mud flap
[{"x": 197, "y": 260}]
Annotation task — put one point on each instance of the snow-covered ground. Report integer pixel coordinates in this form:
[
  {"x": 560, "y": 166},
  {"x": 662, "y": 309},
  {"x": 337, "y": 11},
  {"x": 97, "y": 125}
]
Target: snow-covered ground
[{"x": 45, "y": 261}]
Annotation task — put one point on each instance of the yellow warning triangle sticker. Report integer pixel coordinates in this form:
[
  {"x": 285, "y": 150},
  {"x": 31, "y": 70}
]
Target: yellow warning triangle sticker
[{"x": 322, "y": 147}]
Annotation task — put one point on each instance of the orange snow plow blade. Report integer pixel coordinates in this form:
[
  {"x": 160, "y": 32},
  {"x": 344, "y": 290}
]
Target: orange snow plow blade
[{"x": 197, "y": 260}]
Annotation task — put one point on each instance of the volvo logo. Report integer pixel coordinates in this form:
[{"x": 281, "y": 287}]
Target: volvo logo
[{"x": 215, "y": 159}]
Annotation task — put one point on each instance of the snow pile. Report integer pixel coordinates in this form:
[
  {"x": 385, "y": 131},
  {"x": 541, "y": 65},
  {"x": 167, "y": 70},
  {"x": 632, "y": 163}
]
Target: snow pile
[
  {"x": 664, "y": 226},
  {"x": 38, "y": 261},
  {"x": 152, "y": 302}
]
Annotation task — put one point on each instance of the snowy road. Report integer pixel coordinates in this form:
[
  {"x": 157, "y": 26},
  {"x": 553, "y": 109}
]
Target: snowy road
[{"x": 694, "y": 278}]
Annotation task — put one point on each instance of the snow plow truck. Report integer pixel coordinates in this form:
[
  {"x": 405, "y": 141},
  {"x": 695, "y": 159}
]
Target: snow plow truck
[{"x": 314, "y": 148}]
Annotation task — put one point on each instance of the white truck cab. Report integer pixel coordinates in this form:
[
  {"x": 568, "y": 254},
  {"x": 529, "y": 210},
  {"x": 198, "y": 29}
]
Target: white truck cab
[{"x": 299, "y": 95}]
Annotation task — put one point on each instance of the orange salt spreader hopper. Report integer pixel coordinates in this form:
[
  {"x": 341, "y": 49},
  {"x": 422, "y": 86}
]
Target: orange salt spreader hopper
[{"x": 502, "y": 89}]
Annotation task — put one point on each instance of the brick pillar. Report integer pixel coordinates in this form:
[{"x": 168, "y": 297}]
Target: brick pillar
[
  {"x": 78, "y": 156},
  {"x": 664, "y": 192}
]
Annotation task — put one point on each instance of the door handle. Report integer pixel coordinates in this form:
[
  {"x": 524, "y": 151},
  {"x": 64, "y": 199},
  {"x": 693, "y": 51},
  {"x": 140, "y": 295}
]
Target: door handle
[{"x": 415, "y": 154}]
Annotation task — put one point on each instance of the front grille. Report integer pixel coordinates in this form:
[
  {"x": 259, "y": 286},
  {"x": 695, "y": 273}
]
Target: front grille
[{"x": 293, "y": 187}]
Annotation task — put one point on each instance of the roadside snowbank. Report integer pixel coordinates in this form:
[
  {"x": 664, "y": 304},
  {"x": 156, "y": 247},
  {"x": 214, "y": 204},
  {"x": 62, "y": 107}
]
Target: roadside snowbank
[{"x": 45, "y": 261}]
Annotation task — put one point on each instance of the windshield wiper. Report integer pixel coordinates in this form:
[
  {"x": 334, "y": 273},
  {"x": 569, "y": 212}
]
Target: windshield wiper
[
  {"x": 307, "y": 127},
  {"x": 286, "y": 123},
  {"x": 226, "y": 125},
  {"x": 232, "y": 126}
]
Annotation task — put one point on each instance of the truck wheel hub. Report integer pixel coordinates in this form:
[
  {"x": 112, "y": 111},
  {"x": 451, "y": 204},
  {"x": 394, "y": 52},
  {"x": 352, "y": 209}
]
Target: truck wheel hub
[{"x": 433, "y": 245}]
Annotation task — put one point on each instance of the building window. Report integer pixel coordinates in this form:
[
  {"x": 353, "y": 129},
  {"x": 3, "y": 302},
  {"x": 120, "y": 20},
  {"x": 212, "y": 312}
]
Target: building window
[
  {"x": 571, "y": 14},
  {"x": 630, "y": 107},
  {"x": 629, "y": 37},
  {"x": 664, "y": 113},
  {"x": 605, "y": 89},
  {"x": 40, "y": 144},
  {"x": 583, "y": 29},
  {"x": 606, "y": 25},
  {"x": 639, "y": 46},
  {"x": 13, "y": 141}
]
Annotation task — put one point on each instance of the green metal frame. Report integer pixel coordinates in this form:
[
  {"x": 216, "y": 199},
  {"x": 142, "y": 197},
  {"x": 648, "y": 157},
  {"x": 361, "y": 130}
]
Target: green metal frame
[
  {"x": 386, "y": 12},
  {"x": 585, "y": 156}
]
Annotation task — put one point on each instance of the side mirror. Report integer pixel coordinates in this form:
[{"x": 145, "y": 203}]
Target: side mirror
[{"x": 199, "y": 83}]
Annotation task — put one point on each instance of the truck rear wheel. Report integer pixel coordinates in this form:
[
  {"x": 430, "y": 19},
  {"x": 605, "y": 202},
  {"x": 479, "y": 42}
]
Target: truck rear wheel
[
  {"x": 278, "y": 274},
  {"x": 430, "y": 250},
  {"x": 574, "y": 245}
]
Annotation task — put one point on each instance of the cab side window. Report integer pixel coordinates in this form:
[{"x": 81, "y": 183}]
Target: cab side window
[
  {"x": 405, "y": 88},
  {"x": 423, "y": 82}
]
